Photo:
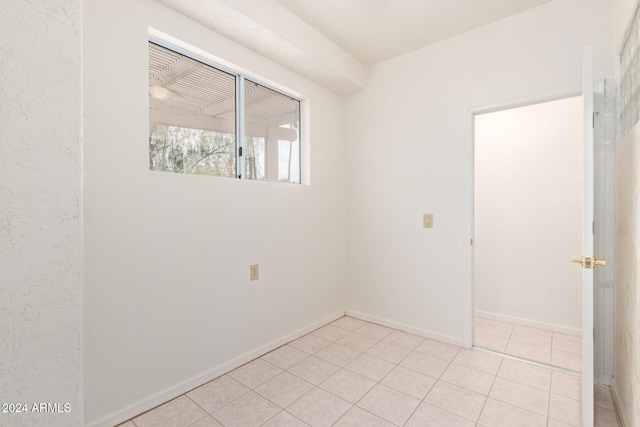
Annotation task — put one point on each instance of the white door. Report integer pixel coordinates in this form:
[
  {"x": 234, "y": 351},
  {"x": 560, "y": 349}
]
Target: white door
[{"x": 587, "y": 259}]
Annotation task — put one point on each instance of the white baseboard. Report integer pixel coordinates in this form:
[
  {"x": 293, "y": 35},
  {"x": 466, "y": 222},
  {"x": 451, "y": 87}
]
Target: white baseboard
[
  {"x": 528, "y": 322},
  {"x": 616, "y": 404},
  {"x": 406, "y": 328},
  {"x": 176, "y": 390}
]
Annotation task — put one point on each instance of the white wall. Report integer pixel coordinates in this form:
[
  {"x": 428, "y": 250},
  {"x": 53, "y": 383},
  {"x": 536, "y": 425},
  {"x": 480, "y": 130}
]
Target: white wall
[
  {"x": 409, "y": 153},
  {"x": 168, "y": 303},
  {"x": 40, "y": 216},
  {"x": 626, "y": 381},
  {"x": 528, "y": 178}
]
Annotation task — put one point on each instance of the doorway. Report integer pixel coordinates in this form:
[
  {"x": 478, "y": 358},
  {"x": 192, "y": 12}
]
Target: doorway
[{"x": 528, "y": 199}]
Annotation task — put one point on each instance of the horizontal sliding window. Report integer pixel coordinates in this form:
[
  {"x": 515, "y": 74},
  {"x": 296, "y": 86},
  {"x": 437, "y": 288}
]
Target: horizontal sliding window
[{"x": 206, "y": 120}]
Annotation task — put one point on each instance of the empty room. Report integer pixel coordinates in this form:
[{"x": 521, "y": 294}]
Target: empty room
[{"x": 282, "y": 212}]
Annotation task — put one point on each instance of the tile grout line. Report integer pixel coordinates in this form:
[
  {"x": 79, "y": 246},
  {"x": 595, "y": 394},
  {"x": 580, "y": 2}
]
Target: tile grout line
[
  {"x": 314, "y": 386},
  {"x": 439, "y": 378},
  {"x": 549, "y": 398},
  {"x": 253, "y": 389},
  {"x": 384, "y": 376},
  {"x": 554, "y": 336},
  {"x": 452, "y": 362},
  {"x": 508, "y": 341},
  {"x": 340, "y": 367},
  {"x": 377, "y": 382},
  {"x": 551, "y": 369},
  {"x": 531, "y": 362},
  {"x": 548, "y": 391},
  {"x": 486, "y": 399},
  {"x": 353, "y": 405},
  {"x": 196, "y": 403},
  {"x": 277, "y": 405},
  {"x": 431, "y": 388}
]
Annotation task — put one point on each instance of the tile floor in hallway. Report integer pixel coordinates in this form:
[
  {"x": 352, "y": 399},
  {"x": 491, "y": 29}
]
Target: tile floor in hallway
[
  {"x": 356, "y": 373},
  {"x": 539, "y": 345}
]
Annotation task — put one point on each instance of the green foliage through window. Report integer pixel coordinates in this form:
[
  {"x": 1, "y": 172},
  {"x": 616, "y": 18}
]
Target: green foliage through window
[{"x": 192, "y": 151}]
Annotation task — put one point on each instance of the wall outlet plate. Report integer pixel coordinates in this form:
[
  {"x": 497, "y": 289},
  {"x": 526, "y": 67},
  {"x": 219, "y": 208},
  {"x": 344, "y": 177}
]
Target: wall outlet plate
[
  {"x": 427, "y": 220},
  {"x": 254, "y": 272}
]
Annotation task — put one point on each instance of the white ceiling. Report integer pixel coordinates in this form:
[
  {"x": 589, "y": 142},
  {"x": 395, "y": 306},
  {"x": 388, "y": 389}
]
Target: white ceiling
[
  {"x": 332, "y": 42},
  {"x": 375, "y": 30}
]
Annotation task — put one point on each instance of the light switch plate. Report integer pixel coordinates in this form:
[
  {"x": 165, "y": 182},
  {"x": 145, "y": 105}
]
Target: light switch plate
[
  {"x": 427, "y": 220},
  {"x": 254, "y": 272}
]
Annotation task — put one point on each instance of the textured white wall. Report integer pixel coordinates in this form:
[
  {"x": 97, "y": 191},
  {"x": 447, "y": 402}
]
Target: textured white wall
[
  {"x": 528, "y": 211},
  {"x": 167, "y": 300},
  {"x": 626, "y": 381},
  {"x": 407, "y": 145},
  {"x": 627, "y": 307},
  {"x": 40, "y": 218}
]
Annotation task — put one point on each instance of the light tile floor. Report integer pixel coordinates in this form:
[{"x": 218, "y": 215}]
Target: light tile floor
[
  {"x": 355, "y": 373},
  {"x": 539, "y": 345}
]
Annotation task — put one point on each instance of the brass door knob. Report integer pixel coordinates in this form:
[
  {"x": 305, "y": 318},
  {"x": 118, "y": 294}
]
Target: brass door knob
[{"x": 589, "y": 262}]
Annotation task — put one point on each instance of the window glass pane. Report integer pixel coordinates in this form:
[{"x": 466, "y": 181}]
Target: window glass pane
[
  {"x": 630, "y": 77},
  {"x": 191, "y": 115},
  {"x": 289, "y": 156},
  {"x": 272, "y": 122},
  {"x": 254, "y": 160}
]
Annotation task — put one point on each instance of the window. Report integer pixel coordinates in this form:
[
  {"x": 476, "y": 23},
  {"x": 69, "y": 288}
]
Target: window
[
  {"x": 630, "y": 77},
  {"x": 207, "y": 120}
]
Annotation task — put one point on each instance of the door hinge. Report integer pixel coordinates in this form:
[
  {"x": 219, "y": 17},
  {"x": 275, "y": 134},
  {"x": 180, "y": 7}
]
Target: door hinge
[
  {"x": 593, "y": 119},
  {"x": 471, "y": 242},
  {"x": 240, "y": 151},
  {"x": 593, "y": 227}
]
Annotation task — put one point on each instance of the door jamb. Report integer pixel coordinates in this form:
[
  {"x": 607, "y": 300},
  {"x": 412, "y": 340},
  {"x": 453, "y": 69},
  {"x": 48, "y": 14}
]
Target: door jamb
[{"x": 468, "y": 205}]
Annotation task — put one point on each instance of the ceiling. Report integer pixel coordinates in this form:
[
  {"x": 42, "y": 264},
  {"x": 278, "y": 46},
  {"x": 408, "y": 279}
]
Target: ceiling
[
  {"x": 376, "y": 30},
  {"x": 333, "y": 42}
]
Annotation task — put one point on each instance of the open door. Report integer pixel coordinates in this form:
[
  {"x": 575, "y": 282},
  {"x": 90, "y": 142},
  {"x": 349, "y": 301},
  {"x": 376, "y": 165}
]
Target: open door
[{"x": 588, "y": 260}]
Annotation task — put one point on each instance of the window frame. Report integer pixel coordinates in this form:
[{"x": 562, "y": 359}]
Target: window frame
[{"x": 239, "y": 104}]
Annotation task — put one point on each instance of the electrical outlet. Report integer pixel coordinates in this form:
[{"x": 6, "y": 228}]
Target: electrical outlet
[
  {"x": 427, "y": 220},
  {"x": 254, "y": 272}
]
